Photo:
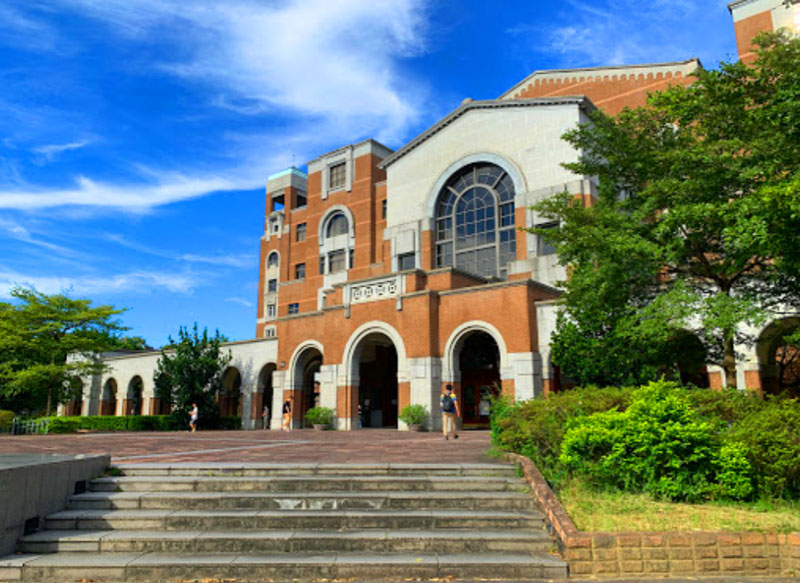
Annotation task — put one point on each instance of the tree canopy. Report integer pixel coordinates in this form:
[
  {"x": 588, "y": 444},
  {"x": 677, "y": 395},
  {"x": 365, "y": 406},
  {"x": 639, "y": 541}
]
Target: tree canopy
[
  {"x": 190, "y": 371},
  {"x": 695, "y": 227},
  {"x": 48, "y": 342}
]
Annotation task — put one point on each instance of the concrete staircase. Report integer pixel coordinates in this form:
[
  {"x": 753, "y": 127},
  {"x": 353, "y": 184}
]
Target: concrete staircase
[{"x": 259, "y": 522}]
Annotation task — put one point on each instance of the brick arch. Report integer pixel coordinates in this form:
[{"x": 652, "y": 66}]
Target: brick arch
[
  {"x": 455, "y": 340},
  {"x": 350, "y": 353}
]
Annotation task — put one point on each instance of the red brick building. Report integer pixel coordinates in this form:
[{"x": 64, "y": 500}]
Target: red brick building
[{"x": 385, "y": 275}]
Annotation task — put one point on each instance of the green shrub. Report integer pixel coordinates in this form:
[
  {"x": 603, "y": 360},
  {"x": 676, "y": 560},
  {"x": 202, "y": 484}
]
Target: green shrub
[
  {"x": 771, "y": 437},
  {"x": 536, "y": 428},
  {"x": 6, "y": 419},
  {"x": 320, "y": 416},
  {"x": 111, "y": 423},
  {"x": 734, "y": 474},
  {"x": 659, "y": 445},
  {"x": 414, "y": 414}
]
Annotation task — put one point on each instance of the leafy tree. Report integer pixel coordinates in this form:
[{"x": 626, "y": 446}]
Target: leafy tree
[
  {"x": 696, "y": 222},
  {"x": 47, "y": 343},
  {"x": 190, "y": 371}
]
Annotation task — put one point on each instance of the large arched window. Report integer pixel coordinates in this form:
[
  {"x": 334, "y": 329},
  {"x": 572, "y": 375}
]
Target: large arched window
[
  {"x": 273, "y": 260},
  {"x": 475, "y": 221},
  {"x": 337, "y": 225}
]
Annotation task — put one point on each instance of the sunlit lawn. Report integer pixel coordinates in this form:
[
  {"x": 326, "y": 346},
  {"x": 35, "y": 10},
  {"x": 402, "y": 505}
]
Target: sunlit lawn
[{"x": 622, "y": 512}]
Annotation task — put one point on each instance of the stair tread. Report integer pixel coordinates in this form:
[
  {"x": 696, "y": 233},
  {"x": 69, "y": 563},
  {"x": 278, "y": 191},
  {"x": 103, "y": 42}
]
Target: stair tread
[
  {"x": 95, "y": 513},
  {"x": 313, "y": 494},
  {"x": 77, "y": 559},
  {"x": 378, "y": 534}
]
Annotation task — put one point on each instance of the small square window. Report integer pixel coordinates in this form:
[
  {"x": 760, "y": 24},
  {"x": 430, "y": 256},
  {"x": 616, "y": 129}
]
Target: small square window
[
  {"x": 300, "y": 271},
  {"x": 272, "y": 285},
  {"x": 336, "y": 175},
  {"x": 269, "y": 332},
  {"x": 406, "y": 261},
  {"x": 383, "y": 208},
  {"x": 294, "y": 308},
  {"x": 270, "y": 310},
  {"x": 301, "y": 232},
  {"x": 542, "y": 246},
  {"x": 275, "y": 227},
  {"x": 337, "y": 261}
]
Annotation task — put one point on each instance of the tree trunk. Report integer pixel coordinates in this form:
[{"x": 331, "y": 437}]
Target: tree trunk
[
  {"x": 729, "y": 363},
  {"x": 49, "y": 398}
]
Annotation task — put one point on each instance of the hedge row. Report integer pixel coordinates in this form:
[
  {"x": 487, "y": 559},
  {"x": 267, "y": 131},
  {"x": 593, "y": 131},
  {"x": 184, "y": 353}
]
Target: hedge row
[
  {"x": 127, "y": 423},
  {"x": 673, "y": 442}
]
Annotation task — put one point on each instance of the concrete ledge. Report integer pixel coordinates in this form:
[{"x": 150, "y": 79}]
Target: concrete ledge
[
  {"x": 660, "y": 554},
  {"x": 35, "y": 485}
]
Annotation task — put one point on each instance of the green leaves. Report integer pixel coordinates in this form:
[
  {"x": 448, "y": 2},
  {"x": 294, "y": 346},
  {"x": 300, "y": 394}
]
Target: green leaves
[
  {"x": 47, "y": 342},
  {"x": 696, "y": 223},
  {"x": 190, "y": 371}
]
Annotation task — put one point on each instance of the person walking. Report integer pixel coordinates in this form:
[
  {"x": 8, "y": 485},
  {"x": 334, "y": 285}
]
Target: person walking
[
  {"x": 193, "y": 414},
  {"x": 450, "y": 412},
  {"x": 265, "y": 416},
  {"x": 287, "y": 414}
]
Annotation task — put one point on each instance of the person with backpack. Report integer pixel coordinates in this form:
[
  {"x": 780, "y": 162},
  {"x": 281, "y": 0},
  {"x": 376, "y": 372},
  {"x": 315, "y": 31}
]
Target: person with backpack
[{"x": 450, "y": 412}]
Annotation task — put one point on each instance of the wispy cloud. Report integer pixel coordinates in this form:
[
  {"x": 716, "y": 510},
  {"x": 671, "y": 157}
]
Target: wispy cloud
[
  {"x": 19, "y": 232},
  {"x": 49, "y": 152},
  {"x": 619, "y": 32},
  {"x": 231, "y": 260},
  {"x": 136, "y": 282},
  {"x": 241, "y": 301},
  {"x": 226, "y": 260}
]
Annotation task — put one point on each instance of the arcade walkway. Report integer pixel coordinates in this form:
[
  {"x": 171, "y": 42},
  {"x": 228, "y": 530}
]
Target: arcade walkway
[{"x": 298, "y": 446}]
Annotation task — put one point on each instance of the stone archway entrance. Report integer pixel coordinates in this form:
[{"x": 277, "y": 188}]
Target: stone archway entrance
[
  {"x": 230, "y": 398},
  {"x": 376, "y": 361},
  {"x": 779, "y": 359},
  {"x": 135, "y": 396},
  {"x": 262, "y": 404},
  {"x": 306, "y": 383},
  {"x": 479, "y": 368},
  {"x": 108, "y": 399}
]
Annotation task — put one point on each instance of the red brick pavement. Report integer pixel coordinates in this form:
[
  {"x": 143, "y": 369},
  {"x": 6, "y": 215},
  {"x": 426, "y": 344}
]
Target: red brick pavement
[{"x": 300, "y": 446}]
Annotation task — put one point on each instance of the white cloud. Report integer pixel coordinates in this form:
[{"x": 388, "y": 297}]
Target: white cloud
[
  {"x": 618, "y": 32},
  {"x": 49, "y": 152},
  {"x": 19, "y": 232},
  {"x": 231, "y": 260},
  {"x": 241, "y": 301},
  {"x": 308, "y": 57},
  {"x": 137, "y": 282}
]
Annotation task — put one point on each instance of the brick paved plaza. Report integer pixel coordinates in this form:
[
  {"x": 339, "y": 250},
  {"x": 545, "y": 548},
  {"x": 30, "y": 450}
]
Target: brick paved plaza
[{"x": 301, "y": 446}]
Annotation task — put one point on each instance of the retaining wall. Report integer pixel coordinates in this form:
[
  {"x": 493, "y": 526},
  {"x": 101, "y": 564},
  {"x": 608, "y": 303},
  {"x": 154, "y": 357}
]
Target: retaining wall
[{"x": 660, "y": 553}]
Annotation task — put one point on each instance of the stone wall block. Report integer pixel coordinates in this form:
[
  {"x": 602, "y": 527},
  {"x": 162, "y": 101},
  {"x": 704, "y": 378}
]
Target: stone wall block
[
  {"x": 576, "y": 542},
  {"x": 752, "y": 538},
  {"x": 706, "y": 553},
  {"x": 604, "y": 541},
  {"x": 754, "y": 551},
  {"x": 730, "y": 552},
  {"x": 653, "y": 540},
  {"x": 654, "y": 554},
  {"x": 681, "y": 566},
  {"x": 729, "y": 539},
  {"x": 581, "y": 568},
  {"x": 632, "y": 566},
  {"x": 629, "y": 540},
  {"x": 656, "y": 566},
  {"x": 704, "y": 539},
  {"x": 679, "y": 540},
  {"x": 753, "y": 565},
  {"x": 578, "y": 555},
  {"x": 732, "y": 565},
  {"x": 605, "y": 554},
  {"x": 605, "y": 567},
  {"x": 681, "y": 554},
  {"x": 707, "y": 566},
  {"x": 630, "y": 554}
]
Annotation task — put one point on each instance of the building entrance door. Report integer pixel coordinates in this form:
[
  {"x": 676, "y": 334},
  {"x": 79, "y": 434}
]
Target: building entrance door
[
  {"x": 377, "y": 389},
  {"x": 479, "y": 364}
]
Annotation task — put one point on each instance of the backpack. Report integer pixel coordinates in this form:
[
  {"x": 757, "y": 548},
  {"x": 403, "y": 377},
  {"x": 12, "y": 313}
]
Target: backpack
[{"x": 448, "y": 404}]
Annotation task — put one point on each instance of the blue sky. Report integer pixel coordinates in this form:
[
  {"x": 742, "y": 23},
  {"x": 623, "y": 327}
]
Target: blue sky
[{"x": 136, "y": 136}]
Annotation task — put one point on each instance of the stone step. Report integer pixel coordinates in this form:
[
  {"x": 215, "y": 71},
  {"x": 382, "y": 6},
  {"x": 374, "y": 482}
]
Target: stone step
[
  {"x": 207, "y": 469},
  {"x": 288, "y": 541},
  {"x": 307, "y": 483},
  {"x": 242, "y": 520},
  {"x": 291, "y": 501},
  {"x": 149, "y": 567}
]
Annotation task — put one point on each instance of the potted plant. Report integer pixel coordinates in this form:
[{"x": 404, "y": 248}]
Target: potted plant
[
  {"x": 320, "y": 417},
  {"x": 414, "y": 416}
]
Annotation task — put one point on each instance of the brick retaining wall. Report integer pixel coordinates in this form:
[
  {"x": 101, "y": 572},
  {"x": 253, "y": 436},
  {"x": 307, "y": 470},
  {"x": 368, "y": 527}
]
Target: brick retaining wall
[{"x": 661, "y": 553}]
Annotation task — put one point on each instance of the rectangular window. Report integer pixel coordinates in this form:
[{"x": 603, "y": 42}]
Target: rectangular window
[
  {"x": 383, "y": 208},
  {"x": 337, "y": 261},
  {"x": 269, "y": 332},
  {"x": 277, "y": 201},
  {"x": 300, "y": 271},
  {"x": 336, "y": 175},
  {"x": 272, "y": 285},
  {"x": 270, "y": 310},
  {"x": 406, "y": 261},
  {"x": 542, "y": 246},
  {"x": 302, "y": 199},
  {"x": 294, "y": 308},
  {"x": 301, "y": 232}
]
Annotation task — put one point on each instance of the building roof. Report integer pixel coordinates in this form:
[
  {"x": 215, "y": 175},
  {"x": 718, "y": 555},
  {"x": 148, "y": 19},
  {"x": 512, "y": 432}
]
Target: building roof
[
  {"x": 469, "y": 105},
  {"x": 684, "y": 67},
  {"x": 289, "y": 171}
]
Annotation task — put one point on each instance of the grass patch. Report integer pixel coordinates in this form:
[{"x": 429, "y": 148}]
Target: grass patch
[{"x": 623, "y": 512}]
